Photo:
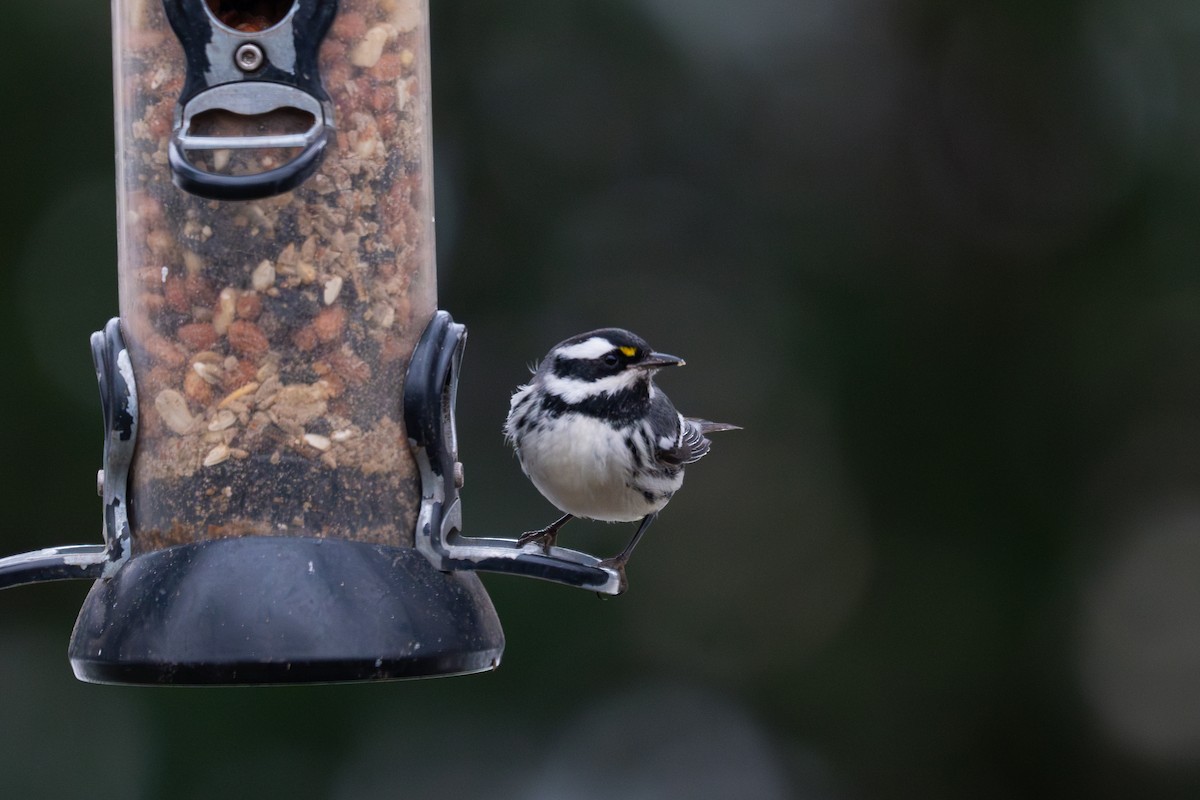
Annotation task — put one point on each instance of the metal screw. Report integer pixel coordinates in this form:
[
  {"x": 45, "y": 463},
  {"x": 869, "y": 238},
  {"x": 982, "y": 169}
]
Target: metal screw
[
  {"x": 458, "y": 475},
  {"x": 100, "y": 483},
  {"x": 249, "y": 57}
]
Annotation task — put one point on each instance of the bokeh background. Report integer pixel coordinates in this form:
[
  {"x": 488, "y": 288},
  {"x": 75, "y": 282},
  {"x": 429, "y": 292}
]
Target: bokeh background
[{"x": 938, "y": 258}]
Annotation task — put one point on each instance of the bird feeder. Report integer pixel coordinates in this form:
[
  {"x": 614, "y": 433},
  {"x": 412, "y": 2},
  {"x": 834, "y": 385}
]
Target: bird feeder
[{"x": 281, "y": 481}]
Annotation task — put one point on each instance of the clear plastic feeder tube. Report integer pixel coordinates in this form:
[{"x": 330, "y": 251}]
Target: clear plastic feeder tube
[{"x": 269, "y": 338}]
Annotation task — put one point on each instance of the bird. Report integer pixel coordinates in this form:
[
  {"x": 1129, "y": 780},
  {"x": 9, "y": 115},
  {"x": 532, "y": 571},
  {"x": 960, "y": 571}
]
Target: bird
[{"x": 599, "y": 439}]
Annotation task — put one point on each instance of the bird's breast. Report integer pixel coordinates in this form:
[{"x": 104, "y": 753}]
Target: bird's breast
[{"x": 584, "y": 467}]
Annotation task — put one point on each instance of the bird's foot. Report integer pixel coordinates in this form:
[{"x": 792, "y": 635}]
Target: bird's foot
[
  {"x": 617, "y": 565},
  {"x": 546, "y": 537}
]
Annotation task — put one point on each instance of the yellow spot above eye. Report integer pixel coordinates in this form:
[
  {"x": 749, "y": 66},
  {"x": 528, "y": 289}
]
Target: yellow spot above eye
[{"x": 630, "y": 352}]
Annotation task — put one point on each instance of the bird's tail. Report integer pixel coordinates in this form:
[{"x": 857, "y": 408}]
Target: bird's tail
[{"x": 707, "y": 427}]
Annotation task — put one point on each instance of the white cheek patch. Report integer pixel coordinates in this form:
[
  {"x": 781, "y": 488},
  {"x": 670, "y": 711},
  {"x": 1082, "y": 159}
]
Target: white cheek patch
[
  {"x": 572, "y": 390},
  {"x": 587, "y": 349}
]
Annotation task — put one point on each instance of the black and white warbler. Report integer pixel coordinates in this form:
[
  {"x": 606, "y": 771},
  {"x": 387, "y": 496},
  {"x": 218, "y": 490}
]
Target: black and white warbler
[{"x": 598, "y": 439}]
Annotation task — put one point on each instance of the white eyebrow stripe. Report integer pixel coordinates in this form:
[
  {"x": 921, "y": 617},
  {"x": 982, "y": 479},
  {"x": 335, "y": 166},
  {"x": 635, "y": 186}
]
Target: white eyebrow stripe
[{"x": 587, "y": 349}]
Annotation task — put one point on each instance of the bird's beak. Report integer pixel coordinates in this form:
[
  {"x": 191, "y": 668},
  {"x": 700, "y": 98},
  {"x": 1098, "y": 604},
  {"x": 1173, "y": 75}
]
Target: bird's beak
[{"x": 656, "y": 360}]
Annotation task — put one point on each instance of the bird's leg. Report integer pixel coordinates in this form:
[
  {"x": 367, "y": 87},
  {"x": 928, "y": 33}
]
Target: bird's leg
[
  {"x": 546, "y": 535},
  {"x": 619, "y": 561}
]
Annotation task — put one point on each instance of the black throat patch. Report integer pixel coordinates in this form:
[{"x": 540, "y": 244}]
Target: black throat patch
[{"x": 619, "y": 409}]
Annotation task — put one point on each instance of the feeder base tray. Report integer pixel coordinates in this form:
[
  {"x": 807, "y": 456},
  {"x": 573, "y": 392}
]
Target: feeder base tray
[{"x": 264, "y": 610}]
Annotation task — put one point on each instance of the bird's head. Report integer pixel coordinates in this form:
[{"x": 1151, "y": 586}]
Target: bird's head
[{"x": 607, "y": 360}]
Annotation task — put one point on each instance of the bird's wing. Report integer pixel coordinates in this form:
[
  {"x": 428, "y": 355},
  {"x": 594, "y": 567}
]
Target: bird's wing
[
  {"x": 691, "y": 444},
  {"x": 684, "y": 444},
  {"x": 679, "y": 440},
  {"x": 694, "y": 442}
]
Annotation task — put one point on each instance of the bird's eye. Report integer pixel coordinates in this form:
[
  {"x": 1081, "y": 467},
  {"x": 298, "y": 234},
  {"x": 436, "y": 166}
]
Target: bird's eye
[{"x": 611, "y": 360}]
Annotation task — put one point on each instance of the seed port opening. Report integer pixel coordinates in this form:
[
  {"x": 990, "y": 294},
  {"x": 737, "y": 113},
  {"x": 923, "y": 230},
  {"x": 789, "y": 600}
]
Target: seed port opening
[
  {"x": 246, "y": 160},
  {"x": 250, "y": 16},
  {"x": 277, "y": 122}
]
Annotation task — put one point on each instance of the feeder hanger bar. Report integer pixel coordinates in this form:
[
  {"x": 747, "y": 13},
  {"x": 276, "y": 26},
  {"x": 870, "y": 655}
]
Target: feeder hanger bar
[{"x": 54, "y": 564}]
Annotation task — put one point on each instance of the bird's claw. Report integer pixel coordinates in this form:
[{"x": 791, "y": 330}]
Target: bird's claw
[
  {"x": 617, "y": 565},
  {"x": 545, "y": 537}
]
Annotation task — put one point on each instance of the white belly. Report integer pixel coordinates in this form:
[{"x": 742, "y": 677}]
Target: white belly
[{"x": 584, "y": 468}]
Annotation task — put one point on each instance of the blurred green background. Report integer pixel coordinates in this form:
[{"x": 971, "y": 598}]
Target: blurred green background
[{"x": 938, "y": 258}]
